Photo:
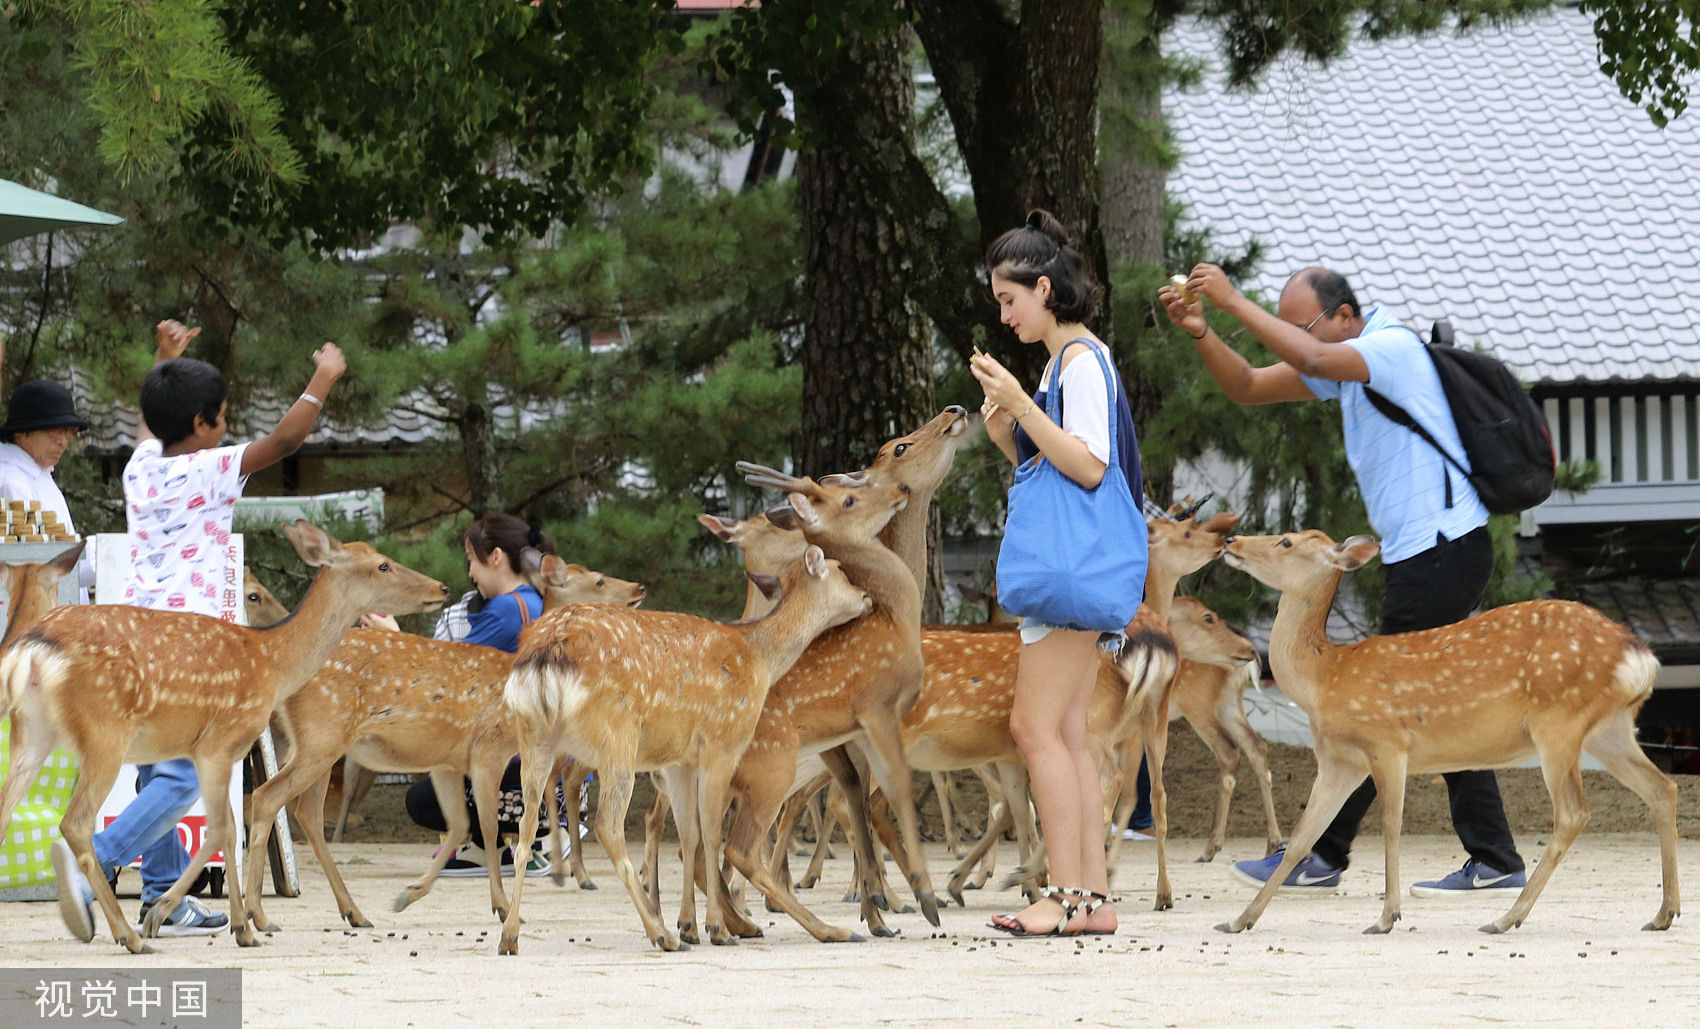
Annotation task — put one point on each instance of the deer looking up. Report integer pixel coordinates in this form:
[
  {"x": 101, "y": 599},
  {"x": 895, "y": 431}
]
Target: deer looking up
[
  {"x": 397, "y": 702},
  {"x": 628, "y": 690},
  {"x": 1545, "y": 678},
  {"x": 120, "y": 684}
]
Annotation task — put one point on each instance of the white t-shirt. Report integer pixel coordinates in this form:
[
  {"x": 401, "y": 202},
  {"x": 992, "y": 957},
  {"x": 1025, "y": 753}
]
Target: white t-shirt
[
  {"x": 1086, "y": 401},
  {"x": 179, "y": 511}
]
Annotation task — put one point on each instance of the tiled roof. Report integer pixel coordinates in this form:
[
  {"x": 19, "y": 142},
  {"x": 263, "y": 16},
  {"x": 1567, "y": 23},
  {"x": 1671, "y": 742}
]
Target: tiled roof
[
  {"x": 1497, "y": 178},
  {"x": 112, "y": 426},
  {"x": 1664, "y": 612}
]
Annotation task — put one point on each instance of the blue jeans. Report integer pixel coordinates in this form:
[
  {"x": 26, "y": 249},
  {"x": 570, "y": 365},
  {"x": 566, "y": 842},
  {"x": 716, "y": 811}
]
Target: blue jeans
[{"x": 148, "y": 826}]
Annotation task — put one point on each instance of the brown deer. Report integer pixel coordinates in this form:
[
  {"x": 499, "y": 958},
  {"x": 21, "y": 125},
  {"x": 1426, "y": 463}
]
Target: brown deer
[
  {"x": 628, "y": 690},
  {"x": 1545, "y": 678},
  {"x": 1217, "y": 663},
  {"x": 125, "y": 683},
  {"x": 397, "y": 702},
  {"x": 855, "y": 683}
]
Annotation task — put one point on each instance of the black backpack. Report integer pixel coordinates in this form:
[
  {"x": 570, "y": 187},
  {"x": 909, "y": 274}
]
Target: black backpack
[{"x": 1504, "y": 433}]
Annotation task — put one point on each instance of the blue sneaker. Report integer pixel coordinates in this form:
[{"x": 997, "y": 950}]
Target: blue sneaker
[
  {"x": 1312, "y": 873},
  {"x": 76, "y": 898},
  {"x": 192, "y": 918},
  {"x": 1472, "y": 877}
]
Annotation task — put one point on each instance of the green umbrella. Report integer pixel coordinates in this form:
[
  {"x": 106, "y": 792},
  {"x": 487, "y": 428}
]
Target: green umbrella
[{"x": 25, "y": 211}]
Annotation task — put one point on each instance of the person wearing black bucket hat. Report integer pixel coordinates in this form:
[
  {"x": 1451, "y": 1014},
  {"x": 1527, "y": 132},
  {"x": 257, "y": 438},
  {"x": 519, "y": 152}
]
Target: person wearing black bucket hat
[{"x": 41, "y": 421}]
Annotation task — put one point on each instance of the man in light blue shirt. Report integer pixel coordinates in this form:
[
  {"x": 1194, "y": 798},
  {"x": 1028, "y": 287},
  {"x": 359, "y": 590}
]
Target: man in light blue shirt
[{"x": 1435, "y": 547}]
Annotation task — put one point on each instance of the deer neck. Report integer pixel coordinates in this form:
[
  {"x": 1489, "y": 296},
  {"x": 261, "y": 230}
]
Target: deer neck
[
  {"x": 1299, "y": 649},
  {"x": 906, "y": 536},
  {"x": 886, "y": 579},
  {"x": 781, "y": 636},
  {"x": 1160, "y": 586},
  {"x": 296, "y": 647}
]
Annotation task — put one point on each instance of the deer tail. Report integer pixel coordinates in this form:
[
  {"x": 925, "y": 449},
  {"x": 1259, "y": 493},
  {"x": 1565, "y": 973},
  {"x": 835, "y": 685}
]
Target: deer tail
[
  {"x": 544, "y": 688},
  {"x": 24, "y": 667},
  {"x": 1633, "y": 676}
]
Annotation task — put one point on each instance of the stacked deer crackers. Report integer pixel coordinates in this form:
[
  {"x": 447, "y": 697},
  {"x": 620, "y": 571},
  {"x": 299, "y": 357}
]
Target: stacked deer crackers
[{"x": 26, "y": 522}]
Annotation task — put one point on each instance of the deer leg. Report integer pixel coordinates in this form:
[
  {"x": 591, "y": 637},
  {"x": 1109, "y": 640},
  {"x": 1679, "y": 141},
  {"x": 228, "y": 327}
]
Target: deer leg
[
  {"x": 1561, "y": 767},
  {"x": 213, "y": 773},
  {"x": 263, "y": 807},
  {"x": 891, "y": 770},
  {"x": 611, "y": 833},
  {"x": 486, "y": 775},
  {"x": 575, "y": 781},
  {"x": 451, "y": 800},
  {"x": 536, "y": 762},
  {"x": 30, "y": 747},
  {"x": 824, "y": 828},
  {"x": 780, "y": 865},
  {"x": 96, "y": 774},
  {"x": 1389, "y": 774},
  {"x": 1130, "y": 752},
  {"x": 654, "y": 827},
  {"x": 356, "y": 783},
  {"x": 1028, "y": 846},
  {"x": 879, "y": 813},
  {"x": 1227, "y": 763},
  {"x": 1156, "y": 747},
  {"x": 309, "y": 810},
  {"x": 947, "y": 813},
  {"x": 712, "y": 787},
  {"x": 682, "y": 793},
  {"x": 1336, "y": 778},
  {"x": 1613, "y": 744},
  {"x": 742, "y": 850},
  {"x": 995, "y": 826},
  {"x": 1234, "y": 724},
  {"x": 854, "y": 793}
]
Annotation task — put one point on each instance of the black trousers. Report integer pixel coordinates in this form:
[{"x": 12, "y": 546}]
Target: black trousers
[{"x": 1440, "y": 586}]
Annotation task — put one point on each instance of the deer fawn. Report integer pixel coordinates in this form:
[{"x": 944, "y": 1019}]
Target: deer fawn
[
  {"x": 125, "y": 683},
  {"x": 632, "y": 690},
  {"x": 398, "y": 702},
  {"x": 1544, "y": 678},
  {"x": 1217, "y": 663}
]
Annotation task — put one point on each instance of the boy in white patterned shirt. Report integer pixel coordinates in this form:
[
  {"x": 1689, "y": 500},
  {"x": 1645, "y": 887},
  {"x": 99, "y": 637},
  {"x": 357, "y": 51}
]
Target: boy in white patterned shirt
[{"x": 180, "y": 491}]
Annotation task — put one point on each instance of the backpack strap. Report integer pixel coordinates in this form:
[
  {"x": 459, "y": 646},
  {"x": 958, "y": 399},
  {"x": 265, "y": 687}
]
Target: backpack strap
[
  {"x": 1399, "y": 416},
  {"x": 524, "y": 610}
]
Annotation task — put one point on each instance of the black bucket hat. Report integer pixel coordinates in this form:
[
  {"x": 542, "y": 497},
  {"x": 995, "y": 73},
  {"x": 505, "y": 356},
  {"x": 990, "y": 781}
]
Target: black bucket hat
[{"x": 40, "y": 404}]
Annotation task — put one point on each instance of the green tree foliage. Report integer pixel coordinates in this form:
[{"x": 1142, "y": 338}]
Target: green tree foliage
[{"x": 1651, "y": 48}]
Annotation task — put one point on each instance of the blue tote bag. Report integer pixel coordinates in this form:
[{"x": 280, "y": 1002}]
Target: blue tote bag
[{"x": 1072, "y": 556}]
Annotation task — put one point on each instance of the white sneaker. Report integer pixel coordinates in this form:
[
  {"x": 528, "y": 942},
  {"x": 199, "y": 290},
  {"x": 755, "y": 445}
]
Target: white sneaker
[
  {"x": 1135, "y": 834},
  {"x": 76, "y": 898}
]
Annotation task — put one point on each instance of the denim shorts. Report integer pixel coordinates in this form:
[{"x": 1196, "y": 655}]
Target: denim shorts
[{"x": 1033, "y": 630}]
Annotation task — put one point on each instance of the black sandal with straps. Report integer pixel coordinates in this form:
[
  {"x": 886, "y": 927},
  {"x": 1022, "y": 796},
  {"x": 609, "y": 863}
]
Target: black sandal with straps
[
  {"x": 1056, "y": 893},
  {"x": 1086, "y": 905}
]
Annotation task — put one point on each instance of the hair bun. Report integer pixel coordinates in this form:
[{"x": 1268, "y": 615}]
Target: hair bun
[
  {"x": 1041, "y": 220},
  {"x": 533, "y": 535}
]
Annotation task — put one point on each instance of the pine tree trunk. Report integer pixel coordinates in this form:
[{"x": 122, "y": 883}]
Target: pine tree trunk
[
  {"x": 867, "y": 354},
  {"x": 1134, "y": 178}
]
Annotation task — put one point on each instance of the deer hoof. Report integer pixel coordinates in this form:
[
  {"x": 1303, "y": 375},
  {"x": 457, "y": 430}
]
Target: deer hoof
[
  {"x": 245, "y": 937},
  {"x": 354, "y": 918},
  {"x": 721, "y": 938},
  {"x": 587, "y": 884},
  {"x": 1493, "y": 927},
  {"x": 929, "y": 907},
  {"x": 1229, "y": 927},
  {"x": 404, "y": 898},
  {"x": 955, "y": 891},
  {"x": 883, "y": 930},
  {"x": 879, "y": 901},
  {"x": 509, "y": 944}
]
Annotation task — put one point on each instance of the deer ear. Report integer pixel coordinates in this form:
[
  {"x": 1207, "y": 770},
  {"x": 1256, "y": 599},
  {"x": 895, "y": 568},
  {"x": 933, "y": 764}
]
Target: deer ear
[
  {"x": 783, "y": 517},
  {"x": 1355, "y": 551},
  {"x": 1221, "y": 523},
  {"x": 63, "y": 564},
  {"x": 814, "y": 560},
  {"x": 721, "y": 527},
  {"x": 807, "y": 518},
  {"x": 314, "y": 545},
  {"x": 768, "y": 584},
  {"x": 531, "y": 560}
]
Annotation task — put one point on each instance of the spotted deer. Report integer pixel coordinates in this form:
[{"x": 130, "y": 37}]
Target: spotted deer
[
  {"x": 630, "y": 691},
  {"x": 1217, "y": 663},
  {"x": 855, "y": 683},
  {"x": 1547, "y": 679},
  {"x": 120, "y": 684},
  {"x": 397, "y": 702}
]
